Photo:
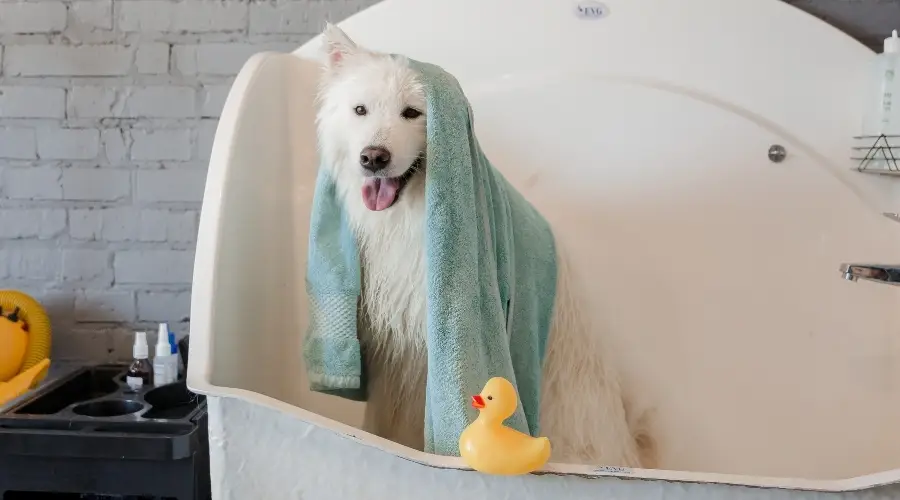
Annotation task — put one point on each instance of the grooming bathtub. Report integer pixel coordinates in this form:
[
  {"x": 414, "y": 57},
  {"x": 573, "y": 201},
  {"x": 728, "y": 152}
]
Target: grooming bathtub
[{"x": 642, "y": 130}]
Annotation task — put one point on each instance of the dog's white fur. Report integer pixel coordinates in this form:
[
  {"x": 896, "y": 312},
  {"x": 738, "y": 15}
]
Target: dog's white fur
[{"x": 582, "y": 409}]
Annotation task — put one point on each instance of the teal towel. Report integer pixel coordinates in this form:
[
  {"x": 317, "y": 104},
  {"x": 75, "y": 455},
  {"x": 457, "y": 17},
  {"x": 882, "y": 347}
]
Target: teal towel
[{"x": 491, "y": 269}]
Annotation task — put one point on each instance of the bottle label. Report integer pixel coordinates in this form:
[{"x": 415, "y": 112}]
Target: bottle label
[
  {"x": 160, "y": 372},
  {"x": 135, "y": 383}
]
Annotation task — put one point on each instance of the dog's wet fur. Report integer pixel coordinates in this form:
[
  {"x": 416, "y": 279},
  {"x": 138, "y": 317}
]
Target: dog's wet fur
[{"x": 371, "y": 103}]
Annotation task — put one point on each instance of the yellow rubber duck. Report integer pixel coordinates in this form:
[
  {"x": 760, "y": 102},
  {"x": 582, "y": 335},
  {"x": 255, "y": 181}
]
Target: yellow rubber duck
[{"x": 490, "y": 447}]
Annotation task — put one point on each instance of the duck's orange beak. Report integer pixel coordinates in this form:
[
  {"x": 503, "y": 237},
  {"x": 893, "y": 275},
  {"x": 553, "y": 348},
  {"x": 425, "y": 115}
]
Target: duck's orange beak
[{"x": 477, "y": 402}]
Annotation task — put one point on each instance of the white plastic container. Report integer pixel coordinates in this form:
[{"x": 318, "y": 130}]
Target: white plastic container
[
  {"x": 883, "y": 110},
  {"x": 163, "y": 372}
]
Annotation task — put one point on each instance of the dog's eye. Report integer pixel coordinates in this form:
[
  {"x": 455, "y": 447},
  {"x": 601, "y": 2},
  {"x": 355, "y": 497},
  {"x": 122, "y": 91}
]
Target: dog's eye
[
  {"x": 490, "y": 398},
  {"x": 360, "y": 110},
  {"x": 411, "y": 113}
]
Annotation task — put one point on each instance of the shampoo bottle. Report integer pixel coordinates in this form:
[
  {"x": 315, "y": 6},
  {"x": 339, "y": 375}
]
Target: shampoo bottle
[{"x": 882, "y": 114}]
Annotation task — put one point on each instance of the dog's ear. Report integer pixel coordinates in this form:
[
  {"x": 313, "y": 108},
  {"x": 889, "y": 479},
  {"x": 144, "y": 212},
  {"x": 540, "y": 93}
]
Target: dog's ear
[{"x": 337, "y": 45}]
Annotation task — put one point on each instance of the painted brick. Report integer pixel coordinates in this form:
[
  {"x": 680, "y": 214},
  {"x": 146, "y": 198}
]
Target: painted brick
[
  {"x": 299, "y": 17},
  {"x": 33, "y": 183},
  {"x": 161, "y": 144},
  {"x": 18, "y": 143},
  {"x": 83, "y": 343},
  {"x": 68, "y": 143},
  {"x": 32, "y": 17},
  {"x": 109, "y": 224},
  {"x": 154, "y": 266},
  {"x": 67, "y": 60},
  {"x": 128, "y": 224},
  {"x": 163, "y": 102},
  {"x": 206, "y": 135},
  {"x": 90, "y": 267},
  {"x": 33, "y": 263},
  {"x": 31, "y": 223},
  {"x": 59, "y": 304},
  {"x": 279, "y": 17},
  {"x": 122, "y": 340},
  {"x": 120, "y": 343},
  {"x": 213, "y": 100},
  {"x": 183, "y": 16},
  {"x": 90, "y": 102},
  {"x": 153, "y": 225},
  {"x": 222, "y": 58},
  {"x": 166, "y": 225},
  {"x": 184, "y": 59},
  {"x": 32, "y": 102},
  {"x": 95, "y": 14},
  {"x": 172, "y": 307},
  {"x": 132, "y": 102},
  {"x": 115, "y": 145},
  {"x": 105, "y": 306},
  {"x": 171, "y": 185},
  {"x": 4, "y": 264},
  {"x": 152, "y": 59},
  {"x": 96, "y": 184}
]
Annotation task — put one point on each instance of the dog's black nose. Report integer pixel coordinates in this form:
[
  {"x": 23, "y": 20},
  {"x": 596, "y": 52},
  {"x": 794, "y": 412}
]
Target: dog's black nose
[{"x": 374, "y": 158}]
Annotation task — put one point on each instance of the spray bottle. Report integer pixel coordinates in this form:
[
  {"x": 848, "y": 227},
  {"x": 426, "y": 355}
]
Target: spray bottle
[
  {"x": 162, "y": 371},
  {"x": 139, "y": 372}
]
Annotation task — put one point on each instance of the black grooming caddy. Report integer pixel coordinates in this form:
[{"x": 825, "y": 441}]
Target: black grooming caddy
[{"x": 89, "y": 434}]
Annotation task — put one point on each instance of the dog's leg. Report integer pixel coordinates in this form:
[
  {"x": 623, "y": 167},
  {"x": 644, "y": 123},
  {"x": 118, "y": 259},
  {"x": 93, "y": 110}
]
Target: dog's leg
[
  {"x": 395, "y": 409},
  {"x": 582, "y": 407}
]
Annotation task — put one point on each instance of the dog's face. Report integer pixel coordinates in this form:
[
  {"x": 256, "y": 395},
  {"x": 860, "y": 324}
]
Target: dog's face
[{"x": 371, "y": 120}]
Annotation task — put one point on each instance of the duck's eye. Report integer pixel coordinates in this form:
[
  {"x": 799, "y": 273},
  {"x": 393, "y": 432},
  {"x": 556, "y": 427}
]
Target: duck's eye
[
  {"x": 411, "y": 113},
  {"x": 490, "y": 398},
  {"x": 360, "y": 110}
]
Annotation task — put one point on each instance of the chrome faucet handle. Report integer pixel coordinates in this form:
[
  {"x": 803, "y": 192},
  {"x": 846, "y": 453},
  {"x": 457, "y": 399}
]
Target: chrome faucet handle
[{"x": 881, "y": 273}]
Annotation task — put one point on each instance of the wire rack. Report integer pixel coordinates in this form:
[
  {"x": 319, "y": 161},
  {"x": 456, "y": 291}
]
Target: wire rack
[{"x": 877, "y": 154}]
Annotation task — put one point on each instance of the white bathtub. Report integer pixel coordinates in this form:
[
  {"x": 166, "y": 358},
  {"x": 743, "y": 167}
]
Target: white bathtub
[{"x": 643, "y": 135}]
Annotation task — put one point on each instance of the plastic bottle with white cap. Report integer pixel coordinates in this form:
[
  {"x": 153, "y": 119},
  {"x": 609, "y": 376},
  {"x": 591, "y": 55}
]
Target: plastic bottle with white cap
[
  {"x": 138, "y": 375},
  {"x": 883, "y": 113},
  {"x": 162, "y": 362}
]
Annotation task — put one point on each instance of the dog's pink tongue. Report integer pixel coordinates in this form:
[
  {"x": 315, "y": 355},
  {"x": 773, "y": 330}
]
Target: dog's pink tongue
[{"x": 379, "y": 193}]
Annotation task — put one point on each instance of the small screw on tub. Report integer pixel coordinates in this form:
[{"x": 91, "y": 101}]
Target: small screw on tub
[{"x": 777, "y": 153}]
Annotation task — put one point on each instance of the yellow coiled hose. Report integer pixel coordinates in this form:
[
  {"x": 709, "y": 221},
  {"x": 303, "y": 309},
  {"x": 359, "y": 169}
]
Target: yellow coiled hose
[{"x": 35, "y": 317}]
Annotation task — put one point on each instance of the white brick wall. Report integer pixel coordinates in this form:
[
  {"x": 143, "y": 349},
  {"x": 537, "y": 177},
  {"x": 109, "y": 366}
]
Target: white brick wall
[
  {"x": 92, "y": 14},
  {"x": 108, "y": 110},
  {"x": 34, "y": 17},
  {"x": 32, "y": 102}
]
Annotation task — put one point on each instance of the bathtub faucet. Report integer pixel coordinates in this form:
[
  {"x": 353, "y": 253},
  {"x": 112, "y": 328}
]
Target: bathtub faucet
[{"x": 881, "y": 273}]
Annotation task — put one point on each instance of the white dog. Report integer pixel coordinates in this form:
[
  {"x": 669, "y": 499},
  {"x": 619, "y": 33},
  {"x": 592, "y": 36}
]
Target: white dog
[{"x": 371, "y": 128}]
